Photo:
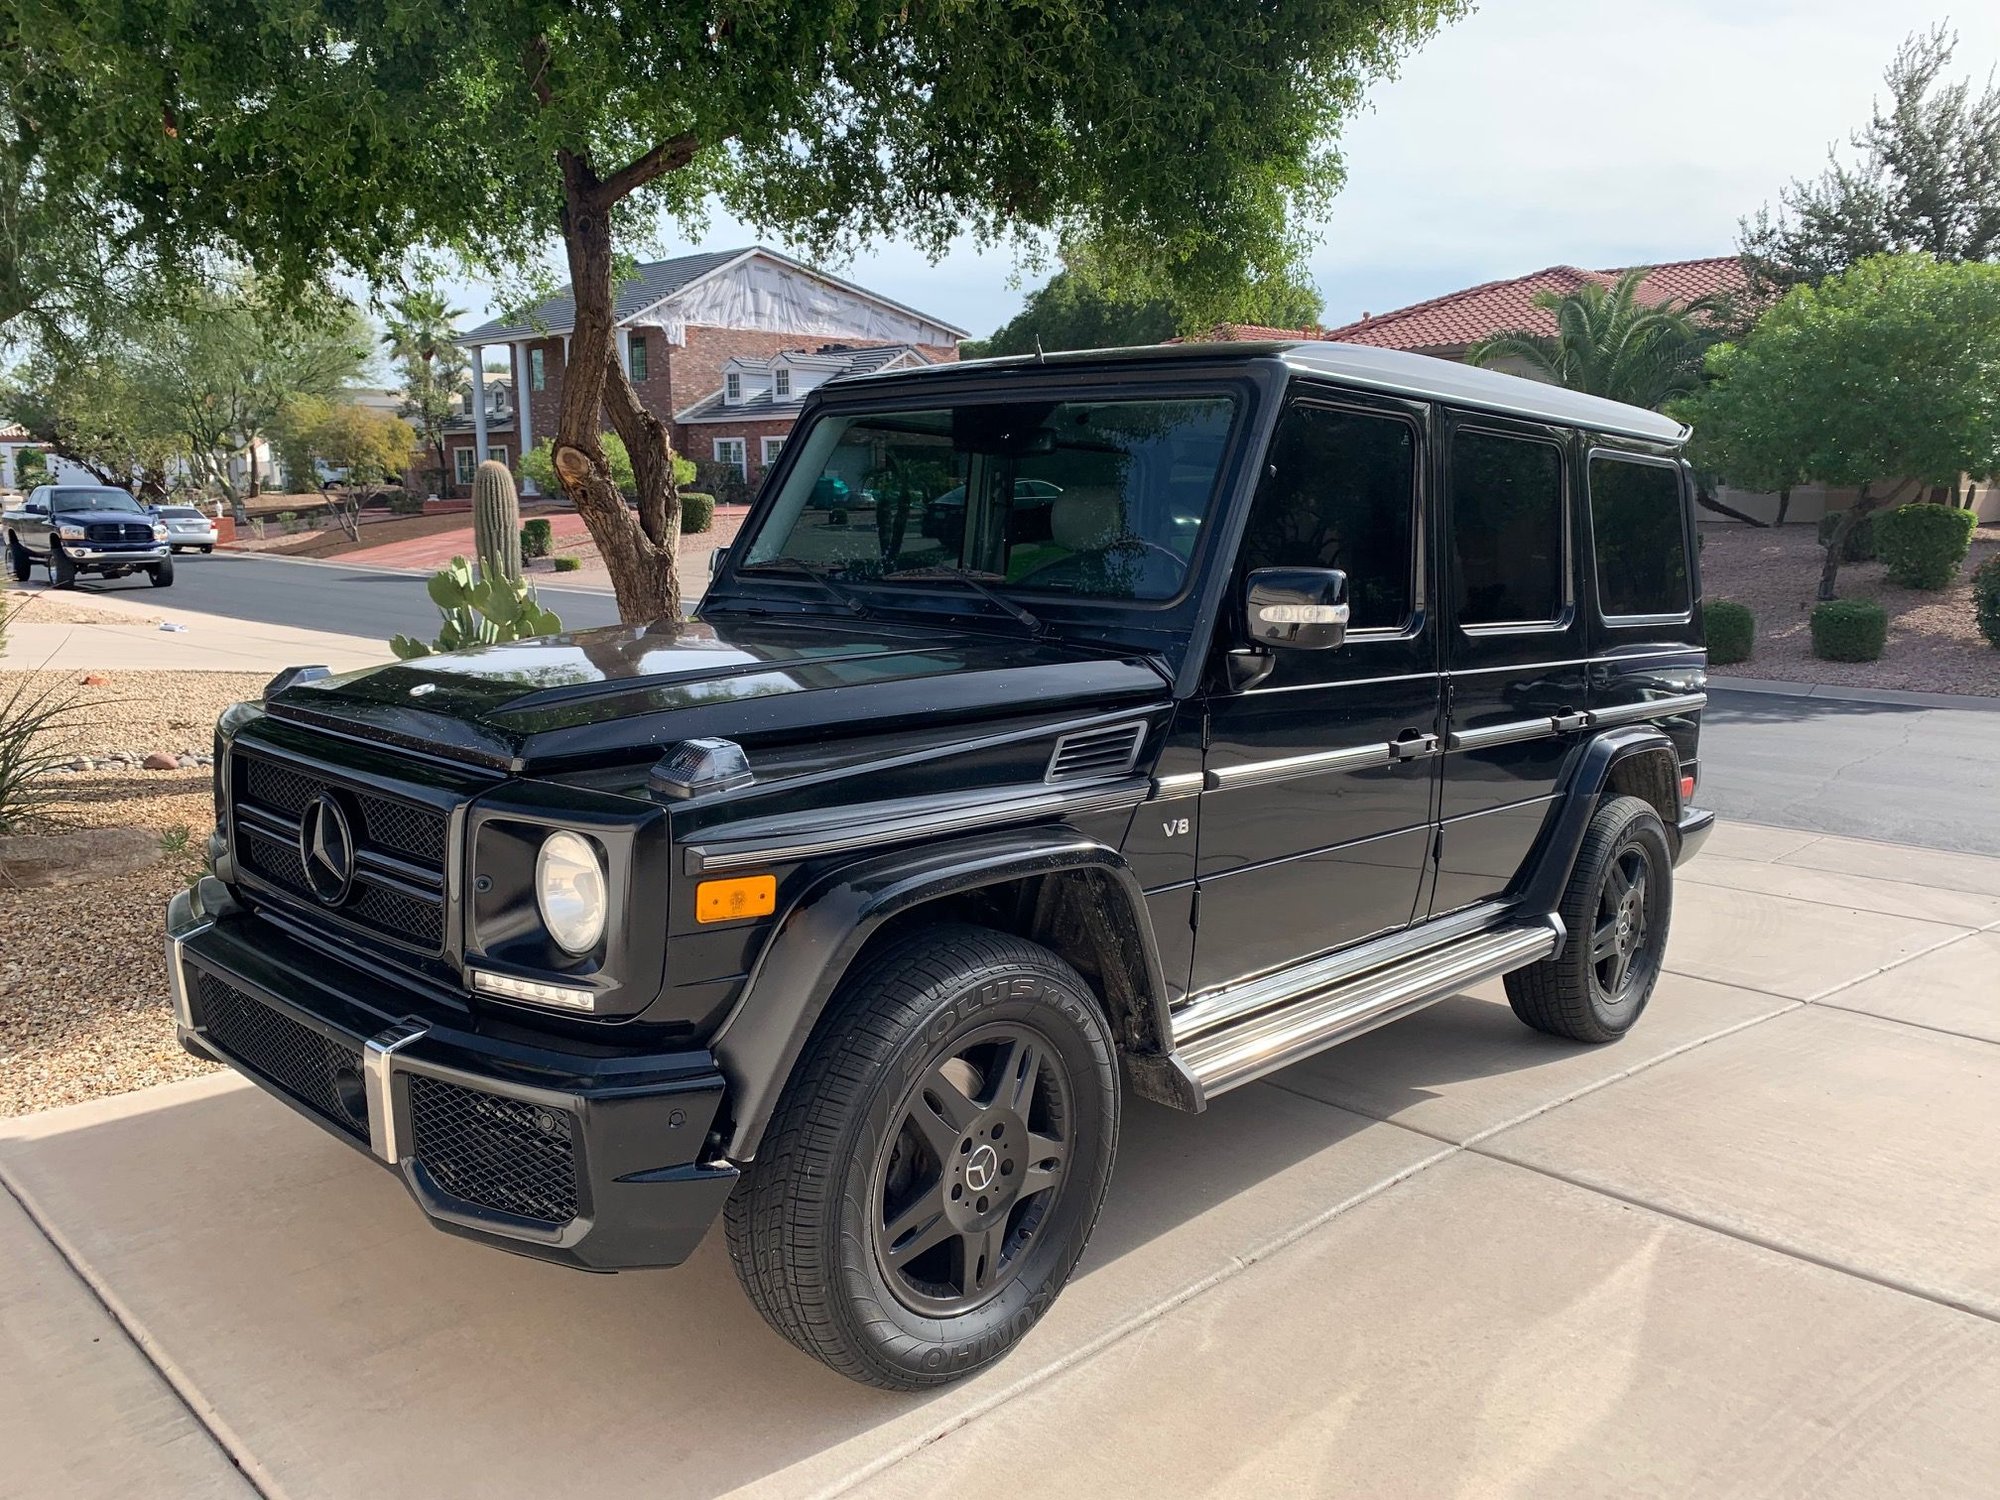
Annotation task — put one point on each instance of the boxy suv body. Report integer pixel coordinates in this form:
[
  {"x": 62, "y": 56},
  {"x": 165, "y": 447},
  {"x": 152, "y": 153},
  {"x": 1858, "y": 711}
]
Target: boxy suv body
[{"x": 1257, "y": 695}]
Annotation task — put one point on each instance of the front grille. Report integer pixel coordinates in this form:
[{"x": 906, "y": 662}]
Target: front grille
[
  {"x": 114, "y": 531},
  {"x": 495, "y": 1153},
  {"x": 398, "y": 885},
  {"x": 319, "y": 1072}
]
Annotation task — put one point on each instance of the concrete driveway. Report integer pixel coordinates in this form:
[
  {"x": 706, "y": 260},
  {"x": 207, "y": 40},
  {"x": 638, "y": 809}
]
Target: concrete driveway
[{"x": 1754, "y": 1249}]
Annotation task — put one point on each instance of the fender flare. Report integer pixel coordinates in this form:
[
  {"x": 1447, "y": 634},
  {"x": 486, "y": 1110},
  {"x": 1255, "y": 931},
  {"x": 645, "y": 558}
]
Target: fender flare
[
  {"x": 815, "y": 942},
  {"x": 1586, "y": 782}
]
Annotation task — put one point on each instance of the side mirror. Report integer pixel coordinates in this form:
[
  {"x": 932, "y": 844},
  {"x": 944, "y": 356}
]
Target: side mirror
[
  {"x": 716, "y": 559},
  {"x": 1297, "y": 609}
]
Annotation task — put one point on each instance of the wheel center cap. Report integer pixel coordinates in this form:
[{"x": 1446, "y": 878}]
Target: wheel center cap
[{"x": 982, "y": 1169}]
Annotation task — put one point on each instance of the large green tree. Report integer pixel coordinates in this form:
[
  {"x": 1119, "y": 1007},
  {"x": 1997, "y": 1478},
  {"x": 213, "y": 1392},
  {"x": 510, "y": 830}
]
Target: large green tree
[
  {"x": 1881, "y": 378},
  {"x": 310, "y": 135},
  {"x": 1925, "y": 177}
]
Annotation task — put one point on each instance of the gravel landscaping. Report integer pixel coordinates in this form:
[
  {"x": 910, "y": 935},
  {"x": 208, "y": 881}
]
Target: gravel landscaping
[
  {"x": 1934, "y": 646},
  {"x": 83, "y": 988}
]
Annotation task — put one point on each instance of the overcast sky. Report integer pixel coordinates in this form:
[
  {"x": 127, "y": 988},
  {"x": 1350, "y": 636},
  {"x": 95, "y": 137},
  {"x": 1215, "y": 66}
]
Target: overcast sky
[{"x": 1540, "y": 132}]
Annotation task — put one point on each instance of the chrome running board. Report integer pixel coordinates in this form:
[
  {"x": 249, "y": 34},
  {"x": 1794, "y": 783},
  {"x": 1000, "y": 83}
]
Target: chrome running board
[{"x": 1229, "y": 1055}]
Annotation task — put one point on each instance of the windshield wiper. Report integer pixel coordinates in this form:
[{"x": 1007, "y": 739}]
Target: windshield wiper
[
  {"x": 1036, "y": 625},
  {"x": 793, "y": 567}
]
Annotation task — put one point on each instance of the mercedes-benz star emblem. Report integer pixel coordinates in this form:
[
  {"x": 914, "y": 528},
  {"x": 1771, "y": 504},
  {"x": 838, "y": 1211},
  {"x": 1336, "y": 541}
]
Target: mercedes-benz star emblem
[
  {"x": 983, "y": 1167},
  {"x": 326, "y": 847}
]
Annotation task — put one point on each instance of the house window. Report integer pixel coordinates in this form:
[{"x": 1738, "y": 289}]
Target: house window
[
  {"x": 461, "y": 459},
  {"x": 781, "y": 383},
  {"x": 732, "y": 387},
  {"x": 773, "y": 446},
  {"x": 538, "y": 376},
  {"x": 497, "y": 454},
  {"x": 730, "y": 451},
  {"x": 635, "y": 358}
]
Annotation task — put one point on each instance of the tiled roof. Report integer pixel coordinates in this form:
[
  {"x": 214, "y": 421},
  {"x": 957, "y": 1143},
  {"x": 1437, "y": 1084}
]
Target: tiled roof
[
  {"x": 660, "y": 278},
  {"x": 759, "y": 407},
  {"x": 1461, "y": 318}
]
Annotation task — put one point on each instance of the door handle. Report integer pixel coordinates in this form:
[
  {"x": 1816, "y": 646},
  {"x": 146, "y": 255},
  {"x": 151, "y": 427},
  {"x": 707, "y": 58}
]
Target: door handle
[
  {"x": 1411, "y": 745},
  {"x": 1569, "y": 719}
]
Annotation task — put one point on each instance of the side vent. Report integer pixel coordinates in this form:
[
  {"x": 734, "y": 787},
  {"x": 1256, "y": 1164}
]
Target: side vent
[{"x": 1091, "y": 753}]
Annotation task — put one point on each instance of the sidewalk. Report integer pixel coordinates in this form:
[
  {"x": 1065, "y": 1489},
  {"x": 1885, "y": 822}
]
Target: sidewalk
[
  {"x": 210, "y": 643},
  {"x": 1752, "y": 1248}
]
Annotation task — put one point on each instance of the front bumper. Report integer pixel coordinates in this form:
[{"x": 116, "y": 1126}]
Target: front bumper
[
  {"x": 83, "y": 552},
  {"x": 590, "y": 1161}
]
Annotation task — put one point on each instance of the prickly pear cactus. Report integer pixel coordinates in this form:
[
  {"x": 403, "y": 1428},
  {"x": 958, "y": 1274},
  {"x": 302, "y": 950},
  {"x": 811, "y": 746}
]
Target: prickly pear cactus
[
  {"x": 496, "y": 522},
  {"x": 479, "y": 611}
]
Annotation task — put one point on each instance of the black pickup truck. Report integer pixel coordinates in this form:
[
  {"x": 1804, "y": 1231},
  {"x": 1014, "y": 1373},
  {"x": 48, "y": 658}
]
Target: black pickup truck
[
  {"x": 87, "y": 528},
  {"x": 1265, "y": 694}
]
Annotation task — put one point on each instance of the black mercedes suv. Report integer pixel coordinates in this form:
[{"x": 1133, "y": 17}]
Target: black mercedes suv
[{"x": 1262, "y": 695}]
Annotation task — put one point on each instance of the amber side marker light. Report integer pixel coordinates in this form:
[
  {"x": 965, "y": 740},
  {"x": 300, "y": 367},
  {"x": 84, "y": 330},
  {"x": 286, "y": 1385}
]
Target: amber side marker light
[{"x": 733, "y": 900}]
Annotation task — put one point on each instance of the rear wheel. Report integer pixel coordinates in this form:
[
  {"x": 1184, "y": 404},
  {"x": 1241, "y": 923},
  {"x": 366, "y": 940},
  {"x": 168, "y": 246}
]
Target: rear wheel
[
  {"x": 1617, "y": 909},
  {"x": 18, "y": 561},
  {"x": 162, "y": 572},
  {"x": 62, "y": 571},
  {"x": 937, "y": 1162}
]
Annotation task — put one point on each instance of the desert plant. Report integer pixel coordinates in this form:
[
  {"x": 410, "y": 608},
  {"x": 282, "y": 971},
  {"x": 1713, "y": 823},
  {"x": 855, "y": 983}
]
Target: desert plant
[
  {"x": 1730, "y": 629},
  {"x": 1924, "y": 544},
  {"x": 697, "y": 511},
  {"x": 478, "y": 612},
  {"x": 34, "y": 716},
  {"x": 1849, "y": 630},
  {"x": 403, "y": 503},
  {"x": 1986, "y": 599},
  {"x": 568, "y": 564},
  {"x": 496, "y": 522},
  {"x": 537, "y": 536},
  {"x": 1860, "y": 543},
  {"x": 288, "y": 520}
]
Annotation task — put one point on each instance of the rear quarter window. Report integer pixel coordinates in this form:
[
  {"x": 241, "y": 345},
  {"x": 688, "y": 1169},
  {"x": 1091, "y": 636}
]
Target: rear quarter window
[{"x": 1640, "y": 537}]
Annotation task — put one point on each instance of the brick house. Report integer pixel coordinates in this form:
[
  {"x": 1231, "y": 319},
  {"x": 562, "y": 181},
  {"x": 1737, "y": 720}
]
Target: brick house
[
  {"x": 683, "y": 325},
  {"x": 463, "y": 446}
]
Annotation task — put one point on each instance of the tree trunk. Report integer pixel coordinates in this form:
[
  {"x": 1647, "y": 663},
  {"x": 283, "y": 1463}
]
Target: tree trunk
[
  {"x": 256, "y": 476},
  {"x": 1864, "y": 504},
  {"x": 642, "y": 572},
  {"x": 1708, "y": 502},
  {"x": 1784, "y": 504}
]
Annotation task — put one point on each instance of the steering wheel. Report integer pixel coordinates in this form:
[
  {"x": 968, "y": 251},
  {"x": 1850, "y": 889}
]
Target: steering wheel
[{"x": 1160, "y": 565}]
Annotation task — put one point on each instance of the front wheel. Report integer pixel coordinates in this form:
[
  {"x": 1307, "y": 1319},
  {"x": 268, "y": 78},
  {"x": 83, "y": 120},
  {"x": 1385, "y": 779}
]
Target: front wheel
[
  {"x": 162, "y": 573},
  {"x": 937, "y": 1162},
  {"x": 1617, "y": 908},
  {"x": 62, "y": 571}
]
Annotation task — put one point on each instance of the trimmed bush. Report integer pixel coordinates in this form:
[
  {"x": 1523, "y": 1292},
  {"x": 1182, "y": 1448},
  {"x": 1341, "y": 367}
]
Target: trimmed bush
[
  {"x": 697, "y": 511},
  {"x": 537, "y": 536},
  {"x": 568, "y": 564},
  {"x": 1849, "y": 630},
  {"x": 1924, "y": 544},
  {"x": 1860, "y": 541},
  {"x": 405, "y": 503},
  {"x": 1986, "y": 599},
  {"x": 1730, "y": 629}
]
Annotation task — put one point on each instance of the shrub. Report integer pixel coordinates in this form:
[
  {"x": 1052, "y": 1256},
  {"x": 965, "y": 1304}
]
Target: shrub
[
  {"x": 697, "y": 511},
  {"x": 536, "y": 538},
  {"x": 1986, "y": 599},
  {"x": 568, "y": 564},
  {"x": 36, "y": 721},
  {"x": 1924, "y": 544},
  {"x": 288, "y": 520},
  {"x": 1849, "y": 630},
  {"x": 1860, "y": 541},
  {"x": 478, "y": 611},
  {"x": 1730, "y": 629},
  {"x": 403, "y": 503}
]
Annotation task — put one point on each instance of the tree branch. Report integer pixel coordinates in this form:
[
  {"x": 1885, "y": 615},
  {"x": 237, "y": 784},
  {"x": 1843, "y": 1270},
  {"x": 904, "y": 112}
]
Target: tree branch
[
  {"x": 537, "y": 64},
  {"x": 669, "y": 156}
]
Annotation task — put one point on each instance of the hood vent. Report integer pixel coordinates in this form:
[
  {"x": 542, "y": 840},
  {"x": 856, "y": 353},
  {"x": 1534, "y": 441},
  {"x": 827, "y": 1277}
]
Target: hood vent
[{"x": 1091, "y": 753}]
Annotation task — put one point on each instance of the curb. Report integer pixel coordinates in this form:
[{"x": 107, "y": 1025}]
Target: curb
[{"x": 1821, "y": 692}]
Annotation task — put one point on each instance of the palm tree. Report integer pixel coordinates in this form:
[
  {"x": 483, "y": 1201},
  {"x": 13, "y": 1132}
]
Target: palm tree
[
  {"x": 422, "y": 323},
  {"x": 1608, "y": 343}
]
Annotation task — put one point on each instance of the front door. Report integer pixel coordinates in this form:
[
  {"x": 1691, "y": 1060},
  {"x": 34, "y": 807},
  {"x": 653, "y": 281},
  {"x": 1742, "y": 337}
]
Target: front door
[
  {"x": 1315, "y": 833},
  {"x": 1516, "y": 678}
]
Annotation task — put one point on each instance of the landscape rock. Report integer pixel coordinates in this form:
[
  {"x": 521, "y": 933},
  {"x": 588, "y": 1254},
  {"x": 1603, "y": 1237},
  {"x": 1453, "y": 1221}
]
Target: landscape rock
[
  {"x": 94, "y": 679},
  {"x": 74, "y": 858},
  {"x": 160, "y": 760}
]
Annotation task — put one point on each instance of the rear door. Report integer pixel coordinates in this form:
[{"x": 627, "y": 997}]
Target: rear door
[
  {"x": 1314, "y": 832},
  {"x": 1516, "y": 674}
]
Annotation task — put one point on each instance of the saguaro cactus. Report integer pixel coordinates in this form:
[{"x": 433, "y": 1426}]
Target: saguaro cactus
[{"x": 496, "y": 521}]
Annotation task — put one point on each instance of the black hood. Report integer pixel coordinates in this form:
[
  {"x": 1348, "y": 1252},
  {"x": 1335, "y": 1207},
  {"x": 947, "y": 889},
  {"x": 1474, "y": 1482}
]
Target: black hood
[
  {"x": 623, "y": 692},
  {"x": 101, "y": 518}
]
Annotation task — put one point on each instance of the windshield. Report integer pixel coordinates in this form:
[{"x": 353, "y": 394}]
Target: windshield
[
  {"x": 1100, "y": 499},
  {"x": 64, "y": 500}
]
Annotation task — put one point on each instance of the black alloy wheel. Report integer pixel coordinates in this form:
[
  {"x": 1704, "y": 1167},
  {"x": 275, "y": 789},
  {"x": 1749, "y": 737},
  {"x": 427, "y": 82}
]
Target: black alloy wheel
[{"x": 1618, "y": 945}]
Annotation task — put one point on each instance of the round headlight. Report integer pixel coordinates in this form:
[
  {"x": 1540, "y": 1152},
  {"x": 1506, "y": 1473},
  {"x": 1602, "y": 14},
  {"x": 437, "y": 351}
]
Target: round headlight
[{"x": 569, "y": 887}]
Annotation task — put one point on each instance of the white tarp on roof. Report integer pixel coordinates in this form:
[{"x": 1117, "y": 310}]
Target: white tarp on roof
[{"x": 758, "y": 293}]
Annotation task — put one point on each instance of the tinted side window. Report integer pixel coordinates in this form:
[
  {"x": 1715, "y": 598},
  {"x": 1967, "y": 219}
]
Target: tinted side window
[
  {"x": 1636, "y": 524},
  {"x": 1341, "y": 493},
  {"x": 1507, "y": 529}
]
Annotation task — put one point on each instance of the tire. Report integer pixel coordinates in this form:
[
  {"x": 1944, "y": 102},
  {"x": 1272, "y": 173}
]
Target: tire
[
  {"x": 207, "y": 547},
  {"x": 162, "y": 572},
  {"x": 19, "y": 563},
  {"x": 1617, "y": 909},
  {"x": 901, "y": 1113},
  {"x": 62, "y": 571}
]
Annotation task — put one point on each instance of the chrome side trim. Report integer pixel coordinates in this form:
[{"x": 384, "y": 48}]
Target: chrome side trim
[
  {"x": 1181, "y": 784},
  {"x": 177, "y": 986},
  {"x": 1652, "y": 708},
  {"x": 1502, "y": 734},
  {"x": 1236, "y": 1055},
  {"x": 376, "y": 1071},
  {"x": 1244, "y": 997},
  {"x": 1256, "y": 772},
  {"x": 893, "y": 822}
]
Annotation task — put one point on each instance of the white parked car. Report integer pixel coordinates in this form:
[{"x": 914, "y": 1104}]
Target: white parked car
[{"x": 186, "y": 527}]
